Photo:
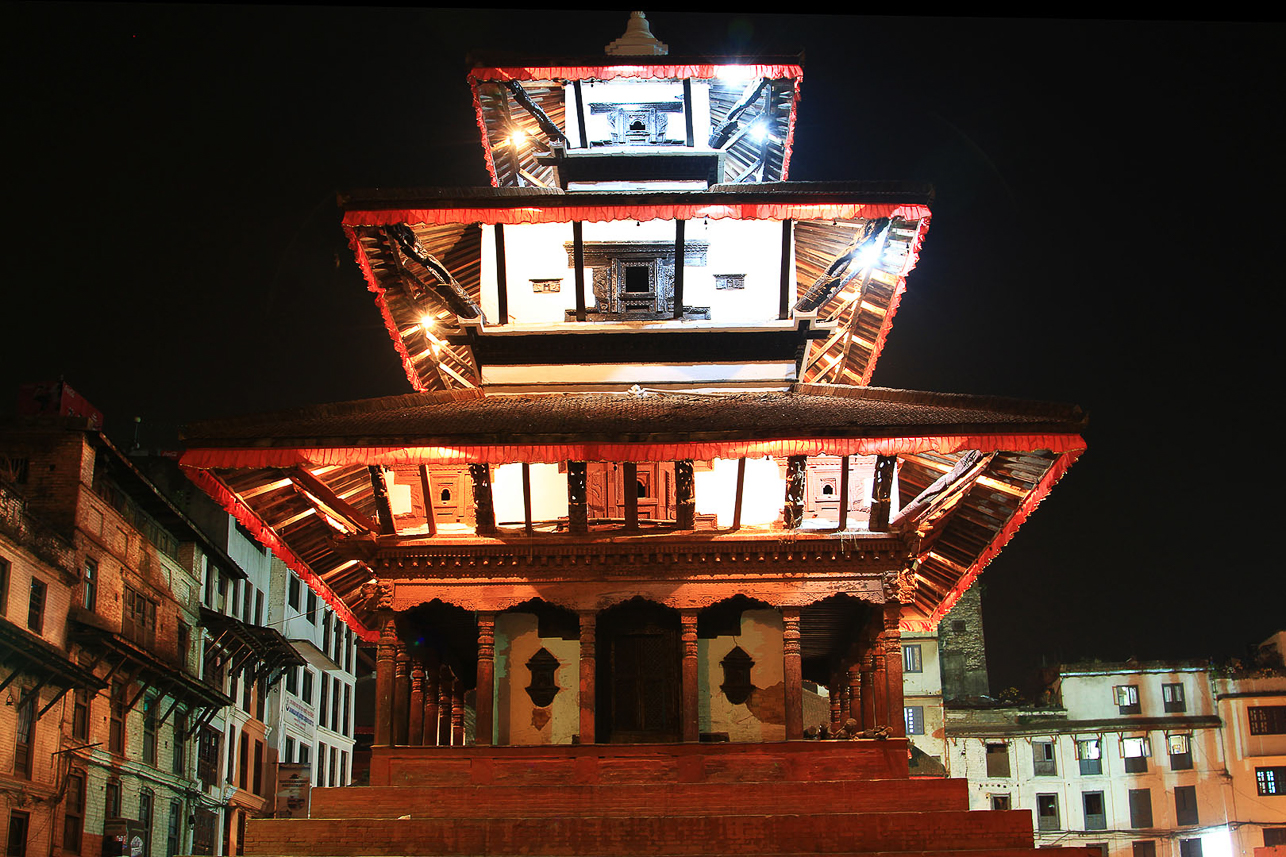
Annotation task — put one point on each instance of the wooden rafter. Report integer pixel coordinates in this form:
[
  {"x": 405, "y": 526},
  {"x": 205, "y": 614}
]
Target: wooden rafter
[{"x": 334, "y": 503}]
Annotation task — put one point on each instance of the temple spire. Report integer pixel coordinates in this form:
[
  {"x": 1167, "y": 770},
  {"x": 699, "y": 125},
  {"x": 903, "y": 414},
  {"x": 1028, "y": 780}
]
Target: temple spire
[{"x": 638, "y": 40}]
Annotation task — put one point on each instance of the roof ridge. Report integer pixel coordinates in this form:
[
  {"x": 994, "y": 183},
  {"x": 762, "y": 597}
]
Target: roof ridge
[{"x": 1022, "y": 407}]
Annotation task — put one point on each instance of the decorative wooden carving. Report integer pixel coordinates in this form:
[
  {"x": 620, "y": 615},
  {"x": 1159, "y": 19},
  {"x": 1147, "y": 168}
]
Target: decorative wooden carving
[
  {"x": 636, "y": 278},
  {"x": 685, "y": 498},
  {"x": 544, "y": 683},
  {"x": 736, "y": 675},
  {"x": 577, "y": 495},
  {"x": 885, "y": 466},
  {"x": 380, "y": 492},
  {"x": 485, "y": 678},
  {"x": 482, "y": 504},
  {"x": 792, "y": 674},
  {"x": 588, "y": 674},
  {"x": 796, "y": 484}
]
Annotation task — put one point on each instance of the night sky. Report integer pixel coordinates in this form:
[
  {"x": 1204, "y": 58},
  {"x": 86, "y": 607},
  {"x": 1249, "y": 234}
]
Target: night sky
[{"x": 1105, "y": 233}]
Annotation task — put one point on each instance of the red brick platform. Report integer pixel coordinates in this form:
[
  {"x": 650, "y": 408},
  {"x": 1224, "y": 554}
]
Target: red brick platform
[{"x": 794, "y": 798}]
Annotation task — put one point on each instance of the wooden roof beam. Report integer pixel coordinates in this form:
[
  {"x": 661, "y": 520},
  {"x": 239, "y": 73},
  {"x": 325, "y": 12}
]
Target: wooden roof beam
[
  {"x": 323, "y": 494},
  {"x": 542, "y": 119}
]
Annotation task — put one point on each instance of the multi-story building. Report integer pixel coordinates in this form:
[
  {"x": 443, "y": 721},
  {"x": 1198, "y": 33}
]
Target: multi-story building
[
  {"x": 1131, "y": 761},
  {"x": 102, "y": 664},
  {"x": 642, "y": 494}
]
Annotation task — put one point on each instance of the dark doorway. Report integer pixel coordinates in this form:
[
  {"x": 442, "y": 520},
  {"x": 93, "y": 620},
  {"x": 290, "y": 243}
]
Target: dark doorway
[{"x": 638, "y": 674}]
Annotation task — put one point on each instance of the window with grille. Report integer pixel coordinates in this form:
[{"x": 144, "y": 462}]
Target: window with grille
[
  {"x": 1271, "y": 781},
  {"x": 1267, "y": 719},
  {"x": 1047, "y": 812},
  {"x": 1043, "y": 759},
  {"x": 914, "y": 715},
  {"x": 36, "y": 606},
  {"x": 138, "y": 622},
  {"x": 74, "y": 813},
  {"x": 90, "y": 584},
  {"x": 149, "y": 730},
  {"x": 1095, "y": 811},
  {"x": 207, "y": 758},
  {"x": 25, "y": 735},
  {"x": 911, "y": 661},
  {"x": 1136, "y": 751},
  {"x": 1089, "y": 754},
  {"x": 1180, "y": 747},
  {"x": 1172, "y": 696}
]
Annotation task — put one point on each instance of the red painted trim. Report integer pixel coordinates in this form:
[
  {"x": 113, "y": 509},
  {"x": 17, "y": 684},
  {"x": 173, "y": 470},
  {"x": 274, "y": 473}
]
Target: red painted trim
[
  {"x": 259, "y": 528},
  {"x": 696, "y": 71},
  {"x": 408, "y": 365},
  {"x": 486, "y": 141},
  {"x": 534, "y": 212},
  {"x": 554, "y": 453}
]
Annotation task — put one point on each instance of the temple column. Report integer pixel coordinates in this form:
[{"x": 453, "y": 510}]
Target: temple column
[
  {"x": 484, "y": 509},
  {"x": 385, "y": 657},
  {"x": 880, "y": 681},
  {"x": 685, "y": 510},
  {"x": 587, "y": 676},
  {"x": 445, "y": 680},
  {"x": 867, "y": 691},
  {"x": 881, "y": 501},
  {"x": 457, "y": 713},
  {"x": 630, "y": 488},
  {"x": 835, "y": 685},
  {"x": 401, "y": 695},
  {"x": 431, "y": 675},
  {"x": 796, "y": 484},
  {"x": 854, "y": 678},
  {"x": 485, "y": 693},
  {"x": 415, "y": 721},
  {"x": 577, "y": 498},
  {"x": 689, "y": 709},
  {"x": 892, "y": 639},
  {"x": 792, "y": 674}
]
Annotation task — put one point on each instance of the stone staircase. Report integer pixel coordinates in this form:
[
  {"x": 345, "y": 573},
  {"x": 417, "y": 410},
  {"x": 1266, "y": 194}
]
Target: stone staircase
[{"x": 769, "y": 800}]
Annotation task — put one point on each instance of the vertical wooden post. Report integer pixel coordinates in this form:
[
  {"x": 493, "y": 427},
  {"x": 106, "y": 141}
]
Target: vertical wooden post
[
  {"x": 577, "y": 497},
  {"x": 885, "y": 465},
  {"x": 685, "y": 512},
  {"x": 892, "y": 646},
  {"x": 796, "y": 485},
  {"x": 689, "y": 137},
  {"x": 526, "y": 498},
  {"x": 385, "y": 658},
  {"x": 502, "y": 278},
  {"x": 457, "y": 713},
  {"x": 380, "y": 492},
  {"x": 578, "y": 263},
  {"x": 741, "y": 487},
  {"x": 843, "y": 493},
  {"x": 580, "y": 115},
  {"x": 836, "y": 703},
  {"x": 431, "y": 676},
  {"x": 630, "y": 487},
  {"x": 792, "y": 674},
  {"x": 679, "y": 226},
  {"x": 588, "y": 675},
  {"x": 484, "y": 509},
  {"x": 485, "y": 692},
  {"x": 854, "y": 678},
  {"x": 426, "y": 488},
  {"x": 783, "y": 301},
  {"x": 688, "y": 691},
  {"x": 415, "y": 721},
  {"x": 401, "y": 695},
  {"x": 868, "y": 687},
  {"x": 445, "y": 681}
]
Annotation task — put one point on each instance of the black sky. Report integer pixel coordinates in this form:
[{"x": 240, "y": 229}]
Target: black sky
[{"x": 1105, "y": 233}]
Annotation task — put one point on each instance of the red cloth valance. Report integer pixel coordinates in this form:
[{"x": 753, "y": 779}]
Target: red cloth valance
[
  {"x": 694, "y": 71},
  {"x": 602, "y": 213},
  {"x": 555, "y": 453}
]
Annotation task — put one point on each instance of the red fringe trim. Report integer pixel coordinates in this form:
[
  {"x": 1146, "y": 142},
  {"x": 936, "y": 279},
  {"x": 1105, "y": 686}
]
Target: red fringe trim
[
  {"x": 554, "y": 453},
  {"x": 698, "y": 71},
  {"x": 228, "y": 499},
  {"x": 535, "y": 213}
]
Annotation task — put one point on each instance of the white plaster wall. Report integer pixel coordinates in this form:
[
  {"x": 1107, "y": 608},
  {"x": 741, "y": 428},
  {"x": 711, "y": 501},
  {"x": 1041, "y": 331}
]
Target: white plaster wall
[
  {"x": 548, "y": 493},
  {"x": 1091, "y": 695},
  {"x": 750, "y": 247},
  {"x": 762, "y": 496},
  {"x": 761, "y": 717},
  {"x": 517, "y": 720},
  {"x": 531, "y": 251}
]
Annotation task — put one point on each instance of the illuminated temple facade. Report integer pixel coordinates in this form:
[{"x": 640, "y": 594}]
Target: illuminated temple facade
[{"x": 643, "y": 521}]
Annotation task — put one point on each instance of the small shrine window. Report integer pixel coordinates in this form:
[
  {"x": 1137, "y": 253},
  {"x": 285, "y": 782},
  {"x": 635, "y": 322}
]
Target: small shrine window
[
  {"x": 729, "y": 281},
  {"x": 544, "y": 684},
  {"x": 445, "y": 496},
  {"x": 736, "y": 675}
]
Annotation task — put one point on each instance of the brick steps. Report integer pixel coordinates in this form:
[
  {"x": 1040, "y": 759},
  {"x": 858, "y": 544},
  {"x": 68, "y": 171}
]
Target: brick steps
[
  {"x": 650, "y": 835},
  {"x": 472, "y": 801}
]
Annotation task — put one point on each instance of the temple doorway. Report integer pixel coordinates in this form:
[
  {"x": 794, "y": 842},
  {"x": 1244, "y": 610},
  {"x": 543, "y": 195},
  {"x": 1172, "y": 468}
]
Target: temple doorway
[{"x": 638, "y": 674}]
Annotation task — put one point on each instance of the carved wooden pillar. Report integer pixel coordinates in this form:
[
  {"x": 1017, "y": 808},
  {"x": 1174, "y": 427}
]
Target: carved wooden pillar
[
  {"x": 379, "y": 492},
  {"x": 688, "y": 691},
  {"x": 431, "y": 675},
  {"x": 880, "y": 683},
  {"x": 630, "y": 490},
  {"x": 685, "y": 510},
  {"x": 587, "y": 676},
  {"x": 415, "y": 721},
  {"x": 445, "y": 681},
  {"x": 885, "y": 465},
  {"x": 867, "y": 692},
  {"x": 796, "y": 483},
  {"x": 457, "y": 713},
  {"x": 484, "y": 509},
  {"x": 854, "y": 678},
  {"x": 401, "y": 696},
  {"x": 482, "y": 734},
  {"x": 836, "y": 701},
  {"x": 892, "y": 639},
  {"x": 385, "y": 658},
  {"x": 577, "y": 500},
  {"x": 792, "y": 674}
]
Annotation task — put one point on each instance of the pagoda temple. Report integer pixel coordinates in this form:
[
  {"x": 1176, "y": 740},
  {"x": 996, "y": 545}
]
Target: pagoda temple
[{"x": 642, "y": 527}]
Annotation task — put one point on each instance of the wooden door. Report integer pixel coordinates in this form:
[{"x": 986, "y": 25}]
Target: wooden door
[
  {"x": 654, "y": 489},
  {"x": 645, "y": 687}
]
